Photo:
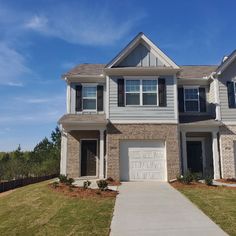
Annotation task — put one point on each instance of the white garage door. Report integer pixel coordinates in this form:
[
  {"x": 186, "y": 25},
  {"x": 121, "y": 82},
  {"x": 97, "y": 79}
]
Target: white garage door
[{"x": 142, "y": 160}]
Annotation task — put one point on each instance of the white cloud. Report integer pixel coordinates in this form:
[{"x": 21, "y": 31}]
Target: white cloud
[
  {"x": 12, "y": 66},
  {"x": 83, "y": 26},
  {"x": 37, "y": 23},
  {"x": 15, "y": 84},
  {"x": 41, "y": 100}
]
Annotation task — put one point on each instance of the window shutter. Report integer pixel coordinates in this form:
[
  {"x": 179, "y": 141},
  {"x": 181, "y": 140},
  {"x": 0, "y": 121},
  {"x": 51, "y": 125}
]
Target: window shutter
[
  {"x": 121, "y": 92},
  {"x": 231, "y": 94},
  {"x": 181, "y": 99},
  {"x": 100, "y": 98},
  {"x": 202, "y": 99},
  {"x": 78, "y": 100},
  {"x": 162, "y": 92}
]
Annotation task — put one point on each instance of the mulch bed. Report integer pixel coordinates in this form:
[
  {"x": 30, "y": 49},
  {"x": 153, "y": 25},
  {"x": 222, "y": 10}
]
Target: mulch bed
[
  {"x": 113, "y": 183},
  {"x": 179, "y": 185},
  {"x": 79, "y": 192},
  {"x": 227, "y": 181}
]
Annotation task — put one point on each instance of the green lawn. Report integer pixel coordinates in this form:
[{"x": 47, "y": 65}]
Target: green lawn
[
  {"x": 218, "y": 203},
  {"x": 37, "y": 210}
]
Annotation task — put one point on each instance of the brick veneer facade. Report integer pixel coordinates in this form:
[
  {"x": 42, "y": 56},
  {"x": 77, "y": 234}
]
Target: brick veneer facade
[
  {"x": 73, "y": 149},
  {"x": 228, "y": 144},
  {"x": 118, "y": 132}
]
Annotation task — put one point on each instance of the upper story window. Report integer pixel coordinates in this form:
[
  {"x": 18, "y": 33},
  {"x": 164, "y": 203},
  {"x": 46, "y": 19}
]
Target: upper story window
[
  {"x": 89, "y": 97},
  {"x": 141, "y": 92},
  {"x": 149, "y": 92},
  {"x": 132, "y": 90},
  {"x": 191, "y": 99}
]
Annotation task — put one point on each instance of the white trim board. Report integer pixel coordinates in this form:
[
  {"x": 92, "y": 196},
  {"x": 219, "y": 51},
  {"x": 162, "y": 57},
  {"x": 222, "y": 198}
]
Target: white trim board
[{"x": 144, "y": 121}]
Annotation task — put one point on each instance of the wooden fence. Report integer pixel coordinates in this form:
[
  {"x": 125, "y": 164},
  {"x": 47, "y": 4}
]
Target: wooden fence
[{"x": 5, "y": 186}]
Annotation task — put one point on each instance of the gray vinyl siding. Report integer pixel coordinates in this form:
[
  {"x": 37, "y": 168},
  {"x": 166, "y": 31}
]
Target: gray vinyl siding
[
  {"x": 142, "y": 112},
  {"x": 141, "y": 57},
  {"x": 227, "y": 114}
]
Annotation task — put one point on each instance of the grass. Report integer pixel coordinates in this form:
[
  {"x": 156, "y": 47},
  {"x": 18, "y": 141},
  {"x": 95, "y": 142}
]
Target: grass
[
  {"x": 37, "y": 210},
  {"x": 219, "y": 203}
]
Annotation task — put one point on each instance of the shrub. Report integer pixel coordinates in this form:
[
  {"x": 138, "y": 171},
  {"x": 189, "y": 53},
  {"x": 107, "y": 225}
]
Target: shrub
[
  {"x": 87, "y": 183},
  {"x": 196, "y": 177},
  {"x": 62, "y": 178},
  {"x": 70, "y": 181},
  {"x": 187, "y": 178},
  {"x": 179, "y": 178},
  {"x": 65, "y": 180},
  {"x": 208, "y": 180},
  {"x": 55, "y": 184},
  {"x": 102, "y": 184}
]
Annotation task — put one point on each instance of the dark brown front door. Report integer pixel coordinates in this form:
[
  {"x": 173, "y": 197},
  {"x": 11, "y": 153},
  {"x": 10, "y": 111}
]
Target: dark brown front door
[
  {"x": 88, "y": 157},
  {"x": 194, "y": 154}
]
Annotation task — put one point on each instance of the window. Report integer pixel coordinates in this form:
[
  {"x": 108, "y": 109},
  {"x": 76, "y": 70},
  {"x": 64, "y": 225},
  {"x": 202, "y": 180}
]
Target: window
[
  {"x": 149, "y": 92},
  {"x": 89, "y": 97},
  {"x": 132, "y": 91},
  {"x": 141, "y": 92},
  {"x": 191, "y": 99}
]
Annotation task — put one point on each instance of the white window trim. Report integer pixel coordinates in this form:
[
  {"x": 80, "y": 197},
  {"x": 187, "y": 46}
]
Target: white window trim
[
  {"x": 191, "y": 87},
  {"x": 141, "y": 90},
  {"x": 89, "y": 85}
]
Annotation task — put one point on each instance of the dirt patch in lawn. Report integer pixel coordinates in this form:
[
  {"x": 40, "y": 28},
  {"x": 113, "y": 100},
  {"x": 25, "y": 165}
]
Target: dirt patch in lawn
[
  {"x": 7, "y": 192},
  {"x": 227, "y": 181},
  {"x": 79, "y": 192}
]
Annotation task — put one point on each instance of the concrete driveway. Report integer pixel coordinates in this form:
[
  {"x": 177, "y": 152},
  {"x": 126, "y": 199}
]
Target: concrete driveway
[{"x": 154, "y": 208}]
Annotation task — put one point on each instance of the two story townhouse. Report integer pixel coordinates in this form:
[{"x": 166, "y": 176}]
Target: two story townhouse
[{"x": 143, "y": 117}]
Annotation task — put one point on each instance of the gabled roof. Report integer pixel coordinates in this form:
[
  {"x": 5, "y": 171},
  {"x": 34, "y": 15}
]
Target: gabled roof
[
  {"x": 131, "y": 46},
  {"x": 226, "y": 63}
]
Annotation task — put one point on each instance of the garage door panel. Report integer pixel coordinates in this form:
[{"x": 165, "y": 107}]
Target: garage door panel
[{"x": 141, "y": 160}]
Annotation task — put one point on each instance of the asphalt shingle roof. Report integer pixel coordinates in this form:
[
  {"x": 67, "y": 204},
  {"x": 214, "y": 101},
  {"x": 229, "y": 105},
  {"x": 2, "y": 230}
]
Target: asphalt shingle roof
[
  {"x": 188, "y": 71},
  {"x": 193, "y": 71}
]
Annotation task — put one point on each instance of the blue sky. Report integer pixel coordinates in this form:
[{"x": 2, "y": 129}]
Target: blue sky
[{"x": 40, "y": 40}]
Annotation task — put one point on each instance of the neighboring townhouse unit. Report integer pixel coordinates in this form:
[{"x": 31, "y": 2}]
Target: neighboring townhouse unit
[{"x": 143, "y": 117}]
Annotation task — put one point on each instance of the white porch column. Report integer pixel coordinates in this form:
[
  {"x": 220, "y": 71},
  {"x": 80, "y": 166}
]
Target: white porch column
[
  {"x": 216, "y": 159},
  {"x": 184, "y": 152},
  {"x": 101, "y": 162},
  {"x": 63, "y": 161}
]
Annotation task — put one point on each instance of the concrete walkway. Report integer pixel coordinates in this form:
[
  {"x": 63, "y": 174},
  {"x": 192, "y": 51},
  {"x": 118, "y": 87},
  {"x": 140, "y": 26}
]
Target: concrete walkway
[{"x": 154, "y": 208}]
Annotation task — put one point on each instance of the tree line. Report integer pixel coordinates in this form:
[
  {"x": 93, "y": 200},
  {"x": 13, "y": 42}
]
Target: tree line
[{"x": 43, "y": 160}]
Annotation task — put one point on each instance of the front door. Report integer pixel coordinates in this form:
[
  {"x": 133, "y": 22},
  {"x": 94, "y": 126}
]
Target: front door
[
  {"x": 88, "y": 157},
  {"x": 194, "y": 154}
]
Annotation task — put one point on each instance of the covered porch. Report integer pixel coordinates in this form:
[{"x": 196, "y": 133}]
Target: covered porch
[
  {"x": 200, "y": 148},
  {"x": 83, "y": 152}
]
